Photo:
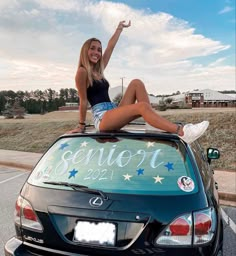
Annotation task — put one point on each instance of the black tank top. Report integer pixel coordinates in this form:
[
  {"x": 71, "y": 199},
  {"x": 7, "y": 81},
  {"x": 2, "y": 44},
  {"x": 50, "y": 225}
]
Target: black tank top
[{"x": 98, "y": 92}]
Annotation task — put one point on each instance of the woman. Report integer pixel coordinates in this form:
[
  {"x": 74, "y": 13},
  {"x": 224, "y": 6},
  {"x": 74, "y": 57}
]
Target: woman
[{"x": 93, "y": 88}]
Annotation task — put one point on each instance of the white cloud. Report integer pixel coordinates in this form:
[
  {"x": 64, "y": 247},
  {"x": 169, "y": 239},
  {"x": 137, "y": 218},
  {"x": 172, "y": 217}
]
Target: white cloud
[
  {"x": 63, "y": 5},
  {"x": 217, "y": 62},
  {"x": 226, "y": 9},
  {"x": 8, "y": 3},
  {"x": 40, "y": 42}
]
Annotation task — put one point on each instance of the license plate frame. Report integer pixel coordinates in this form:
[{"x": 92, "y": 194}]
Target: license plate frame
[{"x": 96, "y": 233}]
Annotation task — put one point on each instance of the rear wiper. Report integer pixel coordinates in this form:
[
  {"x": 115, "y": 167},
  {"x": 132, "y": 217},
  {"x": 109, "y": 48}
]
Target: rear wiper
[{"x": 78, "y": 188}]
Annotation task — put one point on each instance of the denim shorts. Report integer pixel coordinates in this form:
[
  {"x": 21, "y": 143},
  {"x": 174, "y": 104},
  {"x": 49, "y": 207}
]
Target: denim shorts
[{"x": 99, "y": 110}]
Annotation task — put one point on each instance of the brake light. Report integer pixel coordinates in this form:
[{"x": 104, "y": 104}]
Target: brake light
[
  {"x": 179, "y": 227},
  {"x": 26, "y": 216},
  {"x": 178, "y": 232},
  {"x": 198, "y": 227},
  {"x": 204, "y": 225},
  {"x": 18, "y": 209},
  {"x": 29, "y": 214}
]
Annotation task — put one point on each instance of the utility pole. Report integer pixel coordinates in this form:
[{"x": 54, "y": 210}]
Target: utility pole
[{"x": 122, "y": 85}]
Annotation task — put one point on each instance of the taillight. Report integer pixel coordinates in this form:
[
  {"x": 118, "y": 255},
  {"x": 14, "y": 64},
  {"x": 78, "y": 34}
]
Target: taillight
[
  {"x": 178, "y": 232},
  {"x": 26, "y": 216},
  {"x": 18, "y": 209},
  {"x": 198, "y": 227},
  {"x": 180, "y": 227},
  {"x": 204, "y": 225},
  {"x": 28, "y": 213}
]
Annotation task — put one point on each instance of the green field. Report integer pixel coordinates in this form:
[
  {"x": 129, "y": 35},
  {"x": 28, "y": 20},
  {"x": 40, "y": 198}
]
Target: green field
[{"x": 35, "y": 133}]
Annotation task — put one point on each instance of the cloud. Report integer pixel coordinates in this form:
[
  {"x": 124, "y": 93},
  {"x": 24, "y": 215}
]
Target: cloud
[
  {"x": 40, "y": 41},
  {"x": 226, "y": 9}
]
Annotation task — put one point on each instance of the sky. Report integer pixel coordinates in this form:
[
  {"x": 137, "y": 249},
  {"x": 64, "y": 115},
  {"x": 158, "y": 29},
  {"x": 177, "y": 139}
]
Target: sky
[{"x": 171, "y": 45}]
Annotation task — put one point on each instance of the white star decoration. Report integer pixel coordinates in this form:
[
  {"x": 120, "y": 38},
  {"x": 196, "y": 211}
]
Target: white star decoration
[
  {"x": 158, "y": 179},
  {"x": 150, "y": 144},
  {"x": 84, "y": 144},
  {"x": 50, "y": 158},
  {"x": 127, "y": 176}
]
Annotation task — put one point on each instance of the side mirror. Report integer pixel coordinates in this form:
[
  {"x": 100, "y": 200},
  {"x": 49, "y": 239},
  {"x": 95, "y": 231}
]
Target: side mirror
[{"x": 212, "y": 153}]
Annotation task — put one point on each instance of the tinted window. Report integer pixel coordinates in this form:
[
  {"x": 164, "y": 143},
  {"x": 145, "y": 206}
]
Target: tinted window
[
  {"x": 119, "y": 165},
  {"x": 201, "y": 162}
]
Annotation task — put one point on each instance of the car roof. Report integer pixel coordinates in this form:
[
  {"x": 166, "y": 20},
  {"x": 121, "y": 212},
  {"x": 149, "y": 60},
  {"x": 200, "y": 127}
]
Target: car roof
[{"x": 131, "y": 129}]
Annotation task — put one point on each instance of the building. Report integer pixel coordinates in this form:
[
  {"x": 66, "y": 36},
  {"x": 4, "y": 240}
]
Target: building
[
  {"x": 69, "y": 106},
  {"x": 205, "y": 98},
  {"x": 192, "y": 99}
]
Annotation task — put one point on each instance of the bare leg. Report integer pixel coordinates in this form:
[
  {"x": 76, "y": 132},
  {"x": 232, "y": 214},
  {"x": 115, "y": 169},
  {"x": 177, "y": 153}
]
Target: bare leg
[
  {"x": 136, "y": 91},
  {"x": 117, "y": 118},
  {"x": 127, "y": 111}
]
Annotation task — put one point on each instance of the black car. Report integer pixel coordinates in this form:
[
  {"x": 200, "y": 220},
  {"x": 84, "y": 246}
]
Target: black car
[{"x": 130, "y": 192}]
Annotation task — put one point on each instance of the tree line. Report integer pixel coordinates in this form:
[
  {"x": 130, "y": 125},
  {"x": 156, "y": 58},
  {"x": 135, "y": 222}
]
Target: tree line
[{"x": 38, "y": 101}]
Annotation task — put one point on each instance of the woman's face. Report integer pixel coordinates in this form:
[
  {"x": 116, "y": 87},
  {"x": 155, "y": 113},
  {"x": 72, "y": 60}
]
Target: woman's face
[{"x": 95, "y": 52}]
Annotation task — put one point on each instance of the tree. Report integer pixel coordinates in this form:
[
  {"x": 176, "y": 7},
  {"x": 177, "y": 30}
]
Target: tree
[
  {"x": 2, "y": 102},
  {"x": 8, "y": 112},
  {"x": 168, "y": 100},
  {"x": 6, "y": 97},
  {"x": 35, "y": 102},
  {"x": 162, "y": 105},
  {"x": 117, "y": 98},
  {"x": 73, "y": 95},
  {"x": 41, "y": 97},
  {"x": 17, "y": 110}
]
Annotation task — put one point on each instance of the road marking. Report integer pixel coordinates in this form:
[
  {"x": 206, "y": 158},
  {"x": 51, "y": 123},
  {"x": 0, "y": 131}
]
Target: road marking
[
  {"x": 12, "y": 178},
  {"x": 228, "y": 220}
]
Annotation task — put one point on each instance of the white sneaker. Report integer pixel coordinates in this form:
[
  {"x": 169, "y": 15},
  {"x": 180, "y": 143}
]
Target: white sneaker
[{"x": 194, "y": 131}]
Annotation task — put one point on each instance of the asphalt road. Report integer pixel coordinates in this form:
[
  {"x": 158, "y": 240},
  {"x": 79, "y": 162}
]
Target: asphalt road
[{"x": 11, "y": 181}]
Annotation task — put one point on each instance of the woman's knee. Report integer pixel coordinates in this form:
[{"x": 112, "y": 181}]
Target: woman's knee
[
  {"x": 137, "y": 82},
  {"x": 143, "y": 107}
]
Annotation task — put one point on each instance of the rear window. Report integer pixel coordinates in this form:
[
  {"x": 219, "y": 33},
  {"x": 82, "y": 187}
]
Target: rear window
[{"x": 118, "y": 165}]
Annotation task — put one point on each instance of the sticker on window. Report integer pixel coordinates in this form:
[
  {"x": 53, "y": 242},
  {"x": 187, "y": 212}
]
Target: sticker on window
[{"x": 185, "y": 183}]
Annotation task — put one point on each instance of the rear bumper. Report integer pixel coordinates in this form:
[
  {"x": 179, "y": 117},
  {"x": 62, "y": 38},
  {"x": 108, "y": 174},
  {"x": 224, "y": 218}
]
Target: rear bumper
[{"x": 15, "y": 247}]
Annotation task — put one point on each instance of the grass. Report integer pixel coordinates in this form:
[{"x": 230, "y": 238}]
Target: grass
[
  {"x": 220, "y": 134},
  {"x": 36, "y": 133}
]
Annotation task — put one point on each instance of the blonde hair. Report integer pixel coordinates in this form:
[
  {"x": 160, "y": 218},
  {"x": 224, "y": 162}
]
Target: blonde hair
[{"x": 84, "y": 61}]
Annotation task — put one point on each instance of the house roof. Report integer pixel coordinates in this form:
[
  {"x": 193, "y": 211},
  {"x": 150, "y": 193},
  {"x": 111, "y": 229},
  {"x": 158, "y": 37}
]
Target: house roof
[{"x": 211, "y": 95}]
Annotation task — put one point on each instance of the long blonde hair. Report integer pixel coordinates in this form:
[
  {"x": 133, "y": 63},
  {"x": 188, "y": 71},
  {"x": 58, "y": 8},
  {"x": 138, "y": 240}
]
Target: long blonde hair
[{"x": 84, "y": 61}]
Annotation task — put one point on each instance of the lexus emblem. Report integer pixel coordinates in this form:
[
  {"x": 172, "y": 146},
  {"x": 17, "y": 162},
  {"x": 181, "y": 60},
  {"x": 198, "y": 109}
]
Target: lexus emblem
[{"x": 96, "y": 201}]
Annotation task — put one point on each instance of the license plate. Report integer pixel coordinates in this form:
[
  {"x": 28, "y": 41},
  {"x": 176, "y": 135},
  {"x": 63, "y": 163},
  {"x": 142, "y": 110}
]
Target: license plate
[{"x": 101, "y": 233}]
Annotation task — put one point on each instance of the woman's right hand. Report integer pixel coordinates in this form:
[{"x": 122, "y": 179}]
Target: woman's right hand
[{"x": 80, "y": 129}]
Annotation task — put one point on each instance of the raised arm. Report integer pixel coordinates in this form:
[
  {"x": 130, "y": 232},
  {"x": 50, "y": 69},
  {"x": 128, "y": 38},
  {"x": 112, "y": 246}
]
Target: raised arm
[{"x": 112, "y": 42}]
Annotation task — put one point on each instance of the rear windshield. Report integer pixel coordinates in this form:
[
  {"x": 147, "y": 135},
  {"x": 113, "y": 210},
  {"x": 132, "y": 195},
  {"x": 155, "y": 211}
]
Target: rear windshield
[{"x": 118, "y": 165}]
